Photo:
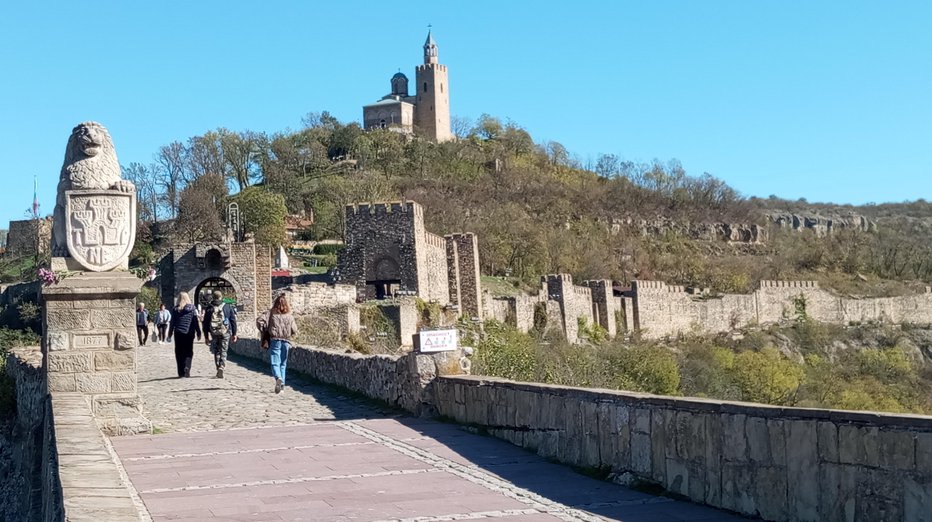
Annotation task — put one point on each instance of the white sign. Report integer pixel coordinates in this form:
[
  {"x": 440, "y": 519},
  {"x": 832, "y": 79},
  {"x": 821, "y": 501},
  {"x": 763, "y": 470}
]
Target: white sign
[{"x": 437, "y": 340}]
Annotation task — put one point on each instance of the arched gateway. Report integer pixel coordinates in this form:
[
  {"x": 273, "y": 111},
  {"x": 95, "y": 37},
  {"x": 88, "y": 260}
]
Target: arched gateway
[{"x": 241, "y": 270}]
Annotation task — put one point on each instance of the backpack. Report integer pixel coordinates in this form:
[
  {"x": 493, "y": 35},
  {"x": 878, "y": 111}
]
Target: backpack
[{"x": 219, "y": 321}]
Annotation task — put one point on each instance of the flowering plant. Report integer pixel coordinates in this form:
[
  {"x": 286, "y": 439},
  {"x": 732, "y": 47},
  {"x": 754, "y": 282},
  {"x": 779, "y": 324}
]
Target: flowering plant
[{"x": 50, "y": 277}]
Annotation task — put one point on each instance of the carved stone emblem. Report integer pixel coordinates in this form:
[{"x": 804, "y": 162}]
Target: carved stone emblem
[{"x": 100, "y": 227}]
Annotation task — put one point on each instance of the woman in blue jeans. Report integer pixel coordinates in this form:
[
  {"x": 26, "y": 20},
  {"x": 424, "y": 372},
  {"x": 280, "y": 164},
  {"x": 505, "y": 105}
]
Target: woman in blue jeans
[{"x": 281, "y": 327}]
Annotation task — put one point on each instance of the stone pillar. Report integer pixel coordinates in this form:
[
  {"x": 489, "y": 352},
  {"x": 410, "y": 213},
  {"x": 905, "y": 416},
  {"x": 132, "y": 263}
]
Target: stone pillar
[
  {"x": 467, "y": 252},
  {"x": 89, "y": 342},
  {"x": 603, "y": 304},
  {"x": 404, "y": 315}
]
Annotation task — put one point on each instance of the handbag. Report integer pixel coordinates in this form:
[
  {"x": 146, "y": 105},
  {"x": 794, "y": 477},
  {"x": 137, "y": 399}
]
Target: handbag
[{"x": 264, "y": 339}]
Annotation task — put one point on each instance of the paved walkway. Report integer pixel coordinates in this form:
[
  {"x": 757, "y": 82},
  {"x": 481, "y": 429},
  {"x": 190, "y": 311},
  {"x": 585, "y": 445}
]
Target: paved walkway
[{"x": 233, "y": 450}]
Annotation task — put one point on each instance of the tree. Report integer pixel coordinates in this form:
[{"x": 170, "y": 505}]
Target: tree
[
  {"x": 172, "y": 160},
  {"x": 201, "y": 206},
  {"x": 242, "y": 152},
  {"x": 147, "y": 194},
  {"x": 263, "y": 213},
  {"x": 205, "y": 156}
]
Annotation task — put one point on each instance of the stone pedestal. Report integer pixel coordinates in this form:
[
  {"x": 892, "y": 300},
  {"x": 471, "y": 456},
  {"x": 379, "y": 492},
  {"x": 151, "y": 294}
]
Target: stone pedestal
[{"x": 89, "y": 341}]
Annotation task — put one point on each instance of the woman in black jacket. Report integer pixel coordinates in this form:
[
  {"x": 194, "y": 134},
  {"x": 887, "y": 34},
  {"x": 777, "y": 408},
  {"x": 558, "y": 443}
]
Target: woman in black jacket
[{"x": 184, "y": 327}]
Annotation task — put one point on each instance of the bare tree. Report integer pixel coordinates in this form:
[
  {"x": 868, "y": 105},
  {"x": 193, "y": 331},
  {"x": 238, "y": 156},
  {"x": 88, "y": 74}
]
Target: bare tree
[
  {"x": 147, "y": 193},
  {"x": 172, "y": 160}
]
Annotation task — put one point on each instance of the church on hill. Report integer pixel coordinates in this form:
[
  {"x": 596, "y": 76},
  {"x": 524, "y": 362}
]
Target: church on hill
[{"x": 426, "y": 112}]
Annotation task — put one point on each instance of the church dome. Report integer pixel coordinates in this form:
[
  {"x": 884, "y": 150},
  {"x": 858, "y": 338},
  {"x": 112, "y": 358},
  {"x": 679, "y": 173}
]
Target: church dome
[{"x": 399, "y": 85}]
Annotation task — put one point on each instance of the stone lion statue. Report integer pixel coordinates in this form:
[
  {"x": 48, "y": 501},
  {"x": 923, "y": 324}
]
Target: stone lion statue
[{"x": 90, "y": 163}]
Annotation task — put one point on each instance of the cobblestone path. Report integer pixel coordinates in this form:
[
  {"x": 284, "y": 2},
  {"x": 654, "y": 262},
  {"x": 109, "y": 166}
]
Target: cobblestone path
[{"x": 230, "y": 449}]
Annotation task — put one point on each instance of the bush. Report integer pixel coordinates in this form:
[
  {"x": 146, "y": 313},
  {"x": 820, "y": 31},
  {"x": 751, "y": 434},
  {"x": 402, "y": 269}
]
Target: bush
[
  {"x": 327, "y": 249},
  {"x": 505, "y": 352},
  {"x": 650, "y": 369},
  {"x": 767, "y": 376}
]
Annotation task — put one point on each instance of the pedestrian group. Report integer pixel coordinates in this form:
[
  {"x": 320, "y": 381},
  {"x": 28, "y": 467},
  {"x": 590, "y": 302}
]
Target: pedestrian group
[{"x": 216, "y": 324}]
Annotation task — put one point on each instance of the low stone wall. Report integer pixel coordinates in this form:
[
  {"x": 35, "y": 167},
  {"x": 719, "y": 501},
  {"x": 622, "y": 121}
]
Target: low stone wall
[
  {"x": 782, "y": 464},
  {"x": 21, "y": 458},
  {"x": 311, "y": 297},
  {"x": 400, "y": 381},
  {"x": 62, "y": 466}
]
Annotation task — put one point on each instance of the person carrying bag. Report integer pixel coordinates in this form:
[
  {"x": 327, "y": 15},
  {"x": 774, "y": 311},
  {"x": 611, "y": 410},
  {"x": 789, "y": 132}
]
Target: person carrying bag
[{"x": 278, "y": 327}]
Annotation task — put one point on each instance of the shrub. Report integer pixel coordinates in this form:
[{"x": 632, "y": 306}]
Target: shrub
[
  {"x": 767, "y": 376},
  {"x": 505, "y": 352},
  {"x": 648, "y": 368},
  {"x": 327, "y": 249}
]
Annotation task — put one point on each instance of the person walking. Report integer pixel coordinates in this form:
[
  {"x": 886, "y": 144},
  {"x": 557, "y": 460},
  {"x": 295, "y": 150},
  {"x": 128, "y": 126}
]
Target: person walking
[
  {"x": 280, "y": 327},
  {"x": 219, "y": 329},
  {"x": 142, "y": 323},
  {"x": 162, "y": 319},
  {"x": 184, "y": 327}
]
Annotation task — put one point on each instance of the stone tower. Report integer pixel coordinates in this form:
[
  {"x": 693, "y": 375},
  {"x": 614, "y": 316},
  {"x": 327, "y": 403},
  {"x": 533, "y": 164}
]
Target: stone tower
[{"x": 432, "y": 92}]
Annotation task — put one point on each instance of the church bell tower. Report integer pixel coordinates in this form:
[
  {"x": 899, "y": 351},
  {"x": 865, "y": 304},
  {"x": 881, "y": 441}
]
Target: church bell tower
[{"x": 432, "y": 94}]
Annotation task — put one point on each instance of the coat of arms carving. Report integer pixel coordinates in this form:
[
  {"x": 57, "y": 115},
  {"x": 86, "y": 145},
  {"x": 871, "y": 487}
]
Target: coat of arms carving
[{"x": 100, "y": 227}]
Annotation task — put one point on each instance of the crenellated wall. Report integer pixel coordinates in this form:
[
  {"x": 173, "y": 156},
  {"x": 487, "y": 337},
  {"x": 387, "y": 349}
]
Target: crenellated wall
[
  {"x": 662, "y": 310},
  {"x": 388, "y": 250}
]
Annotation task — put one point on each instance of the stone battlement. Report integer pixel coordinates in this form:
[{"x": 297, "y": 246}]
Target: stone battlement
[
  {"x": 789, "y": 284},
  {"x": 383, "y": 208}
]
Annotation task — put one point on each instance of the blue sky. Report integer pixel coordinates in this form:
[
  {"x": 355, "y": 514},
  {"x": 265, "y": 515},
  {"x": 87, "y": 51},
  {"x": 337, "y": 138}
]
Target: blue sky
[{"x": 829, "y": 100}]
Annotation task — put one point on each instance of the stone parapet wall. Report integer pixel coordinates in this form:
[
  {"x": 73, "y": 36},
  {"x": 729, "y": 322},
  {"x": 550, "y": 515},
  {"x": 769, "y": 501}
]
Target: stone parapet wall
[
  {"x": 782, "y": 464},
  {"x": 91, "y": 483},
  {"x": 63, "y": 468},
  {"x": 21, "y": 458},
  {"x": 400, "y": 381},
  {"x": 15, "y": 293}
]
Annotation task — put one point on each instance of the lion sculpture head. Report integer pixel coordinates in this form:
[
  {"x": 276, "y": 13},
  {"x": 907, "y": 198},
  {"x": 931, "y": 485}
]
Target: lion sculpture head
[
  {"x": 90, "y": 159},
  {"x": 90, "y": 163}
]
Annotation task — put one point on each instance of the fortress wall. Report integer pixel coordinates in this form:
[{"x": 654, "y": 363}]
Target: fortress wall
[
  {"x": 465, "y": 248},
  {"x": 604, "y": 305},
  {"x": 575, "y": 302},
  {"x": 663, "y": 310},
  {"x": 782, "y": 464},
  {"x": 434, "y": 252},
  {"x": 382, "y": 234}
]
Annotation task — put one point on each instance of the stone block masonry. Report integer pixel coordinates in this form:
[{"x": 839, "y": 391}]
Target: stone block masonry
[
  {"x": 89, "y": 343},
  {"x": 63, "y": 468},
  {"x": 662, "y": 310},
  {"x": 781, "y": 464},
  {"x": 389, "y": 252},
  {"x": 244, "y": 265}
]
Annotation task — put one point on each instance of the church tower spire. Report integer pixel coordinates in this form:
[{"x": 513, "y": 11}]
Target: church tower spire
[
  {"x": 432, "y": 92},
  {"x": 430, "y": 49}
]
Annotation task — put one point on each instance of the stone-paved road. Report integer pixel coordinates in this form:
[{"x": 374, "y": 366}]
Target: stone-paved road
[{"x": 233, "y": 450}]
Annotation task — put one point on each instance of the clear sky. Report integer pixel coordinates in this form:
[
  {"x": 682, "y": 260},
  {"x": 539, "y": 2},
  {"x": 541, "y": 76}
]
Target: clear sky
[{"x": 827, "y": 100}]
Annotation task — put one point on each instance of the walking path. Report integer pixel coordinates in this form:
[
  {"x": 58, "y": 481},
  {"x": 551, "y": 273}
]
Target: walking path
[{"x": 230, "y": 449}]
